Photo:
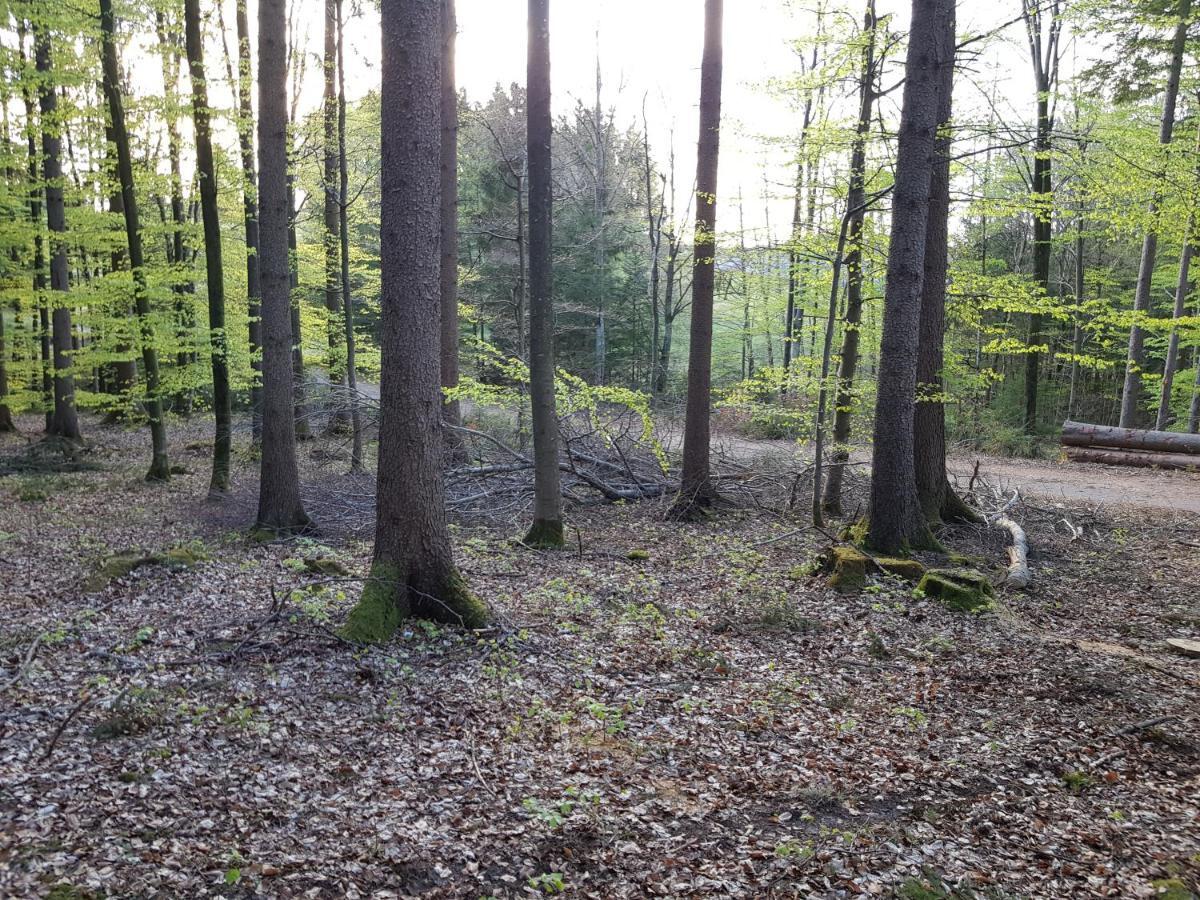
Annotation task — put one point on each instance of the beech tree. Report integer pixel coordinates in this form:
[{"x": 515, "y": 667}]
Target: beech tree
[
  {"x": 896, "y": 522},
  {"x": 280, "y": 509},
  {"x": 696, "y": 490},
  {"x": 64, "y": 422},
  {"x": 412, "y": 571},
  {"x": 1131, "y": 393},
  {"x": 206, "y": 174},
  {"x": 160, "y": 467},
  {"x": 547, "y": 527}
]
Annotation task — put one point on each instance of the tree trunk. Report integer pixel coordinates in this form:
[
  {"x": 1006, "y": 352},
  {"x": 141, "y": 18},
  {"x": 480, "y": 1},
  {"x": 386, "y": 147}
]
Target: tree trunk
[
  {"x": 1079, "y": 434},
  {"x": 451, "y": 411},
  {"x": 856, "y": 203},
  {"x": 938, "y": 500},
  {"x": 245, "y": 126},
  {"x": 299, "y": 390},
  {"x": 207, "y": 175},
  {"x": 413, "y": 572},
  {"x": 6, "y": 419},
  {"x": 356, "y": 446},
  {"x": 1182, "y": 288},
  {"x": 280, "y": 510},
  {"x": 65, "y": 421},
  {"x": 160, "y": 468},
  {"x": 1131, "y": 393},
  {"x": 339, "y": 417},
  {"x": 696, "y": 490},
  {"x": 1138, "y": 458},
  {"x": 896, "y": 521},
  {"x": 547, "y": 527}
]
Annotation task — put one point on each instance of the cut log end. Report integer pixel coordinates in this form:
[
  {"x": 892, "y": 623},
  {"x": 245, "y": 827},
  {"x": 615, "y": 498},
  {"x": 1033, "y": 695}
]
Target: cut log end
[{"x": 1020, "y": 576}]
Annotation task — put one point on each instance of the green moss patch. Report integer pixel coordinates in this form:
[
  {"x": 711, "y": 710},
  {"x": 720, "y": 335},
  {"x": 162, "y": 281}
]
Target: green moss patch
[
  {"x": 908, "y": 569},
  {"x": 175, "y": 559},
  {"x": 846, "y": 568},
  {"x": 964, "y": 590}
]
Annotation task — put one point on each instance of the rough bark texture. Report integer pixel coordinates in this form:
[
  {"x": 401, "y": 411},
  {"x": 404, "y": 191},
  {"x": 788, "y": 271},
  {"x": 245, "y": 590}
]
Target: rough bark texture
[
  {"x": 938, "y": 500},
  {"x": 896, "y": 521},
  {"x": 279, "y": 506},
  {"x": 1140, "y": 458},
  {"x": 6, "y": 419},
  {"x": 39, "y": 244},
  {"x": 696, "y": 490},
  {"x": 844, "y": 403},
  {"x": 1079, "y": 434},
  {"x": 64, "y": 422},
  {"x": 160, "y": 467},
  {"x": 299, "y": 404},
  {"x": 449, "y": 277},
  {"x": 1131, "y": 394},
  {"x": 245, "y": 125},
  {"x": 413, "y": 570},
  {"x": 547, "y": 527},
  {"x": 207, "y": 176}
]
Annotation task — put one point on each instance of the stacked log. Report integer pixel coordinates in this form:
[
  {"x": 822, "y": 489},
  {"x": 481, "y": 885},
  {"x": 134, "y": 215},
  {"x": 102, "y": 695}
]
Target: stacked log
[{"x": 1131, "y": 447}]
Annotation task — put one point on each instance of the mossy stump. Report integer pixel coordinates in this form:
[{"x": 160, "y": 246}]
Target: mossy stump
[
  {"x": 963, "y": 590},
  {"x": 388, "y": 601},
  {"x": 908, "y": 569},
  {"x": 176, "y": 559},
  {"x": 846, "y": 568}
]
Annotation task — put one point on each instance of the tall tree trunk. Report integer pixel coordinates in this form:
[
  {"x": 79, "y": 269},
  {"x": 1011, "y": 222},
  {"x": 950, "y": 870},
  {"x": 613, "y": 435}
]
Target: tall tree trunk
[
  {"x": 413, "y": 572},
  {"x": 207, "y": 176},
  {"x": 245, "y": 128},
  {"x": 176, "y": 254},
  {"x": 1182, "y": 288},
  {"x": 39, "y": 241},
  {"x": 339, "y": 413},
  {"x": 547, "y": 527},
  {"x": 451, "y": 412},
  {"x": 160, "y": 468},
  {"x": 280, "y": 510},
  {"x": 1131, "y": 393},
  {"x": 299, "y": 400},
  {"x": 938, "y": 500},
  {"x": 856, "y": 203},
  {"x": 696, "y": 490},
  {"x": 896, "y": 521},
  {"x": 65, "y": 421},
  {"x": 124, "y": 370},
  {"x": 356, "y": 446}
]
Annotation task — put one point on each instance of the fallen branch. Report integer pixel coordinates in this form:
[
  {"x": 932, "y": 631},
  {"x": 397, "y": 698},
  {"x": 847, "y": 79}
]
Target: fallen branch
[
  {"x": 24, "y": 665},
  {"x": 1019, "y": 574}
]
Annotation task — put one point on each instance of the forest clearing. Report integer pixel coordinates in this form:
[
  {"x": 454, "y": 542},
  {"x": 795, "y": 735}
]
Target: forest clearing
[{"x": 426, "y": 476}]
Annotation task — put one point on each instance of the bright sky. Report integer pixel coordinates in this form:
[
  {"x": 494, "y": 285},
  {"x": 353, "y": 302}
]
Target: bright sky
[{"x": 651, "y": 49}]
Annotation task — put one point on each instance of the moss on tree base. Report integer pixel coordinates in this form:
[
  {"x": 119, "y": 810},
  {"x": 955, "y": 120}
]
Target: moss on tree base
[
  {"x": 545, "y": 534},
  {"x": 846, "y": 567},
  {"x": 963, "y": 590},
  {"x": 388, "y": 601}
]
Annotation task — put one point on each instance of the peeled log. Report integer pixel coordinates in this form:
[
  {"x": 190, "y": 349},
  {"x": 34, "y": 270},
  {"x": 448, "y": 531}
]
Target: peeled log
[
  {"x": 1145, "y": 460},
  {"x": 1019, "y": 574},
  {"x": 1078, "y": 434}
]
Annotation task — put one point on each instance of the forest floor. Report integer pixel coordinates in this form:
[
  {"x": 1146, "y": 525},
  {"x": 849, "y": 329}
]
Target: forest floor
[{"x": 661, "y": 710}]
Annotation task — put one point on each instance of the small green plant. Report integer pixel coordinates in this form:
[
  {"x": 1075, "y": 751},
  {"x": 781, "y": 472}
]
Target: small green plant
[
  {"x": 1077, "y": 781},
  {"x": 611, "y": 717},
  {"x": 793, "y": 849},
  {"x": 549, "y": 883},
  {"x": 915, "y": 717}
]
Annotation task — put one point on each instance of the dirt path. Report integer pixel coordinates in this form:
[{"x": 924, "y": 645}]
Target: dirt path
[{"x": 1108, "y": 485}]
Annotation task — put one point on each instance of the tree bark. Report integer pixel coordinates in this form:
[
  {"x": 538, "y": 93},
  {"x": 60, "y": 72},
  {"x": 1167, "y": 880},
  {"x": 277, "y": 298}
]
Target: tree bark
[
  {"x": 207, "y": 175},
  {"x": 896, "y": 521},
  {"x": 413, "y": 572},
  {"x": 339, "y": 417},
  {"x": 938, "y": 500},
  {"x": 856, "y": 198},
  {"x": 280, "y": 510},
  {"x": 1079, "y": 434},
  {"x": 451, "y": 411},
  {"x": 245, "y": 127},
  {"x": 160, "y": 468},
  {"x": 1131, "y": 394},
  {"x": 547, "y": 527},
  {"x": 1140, "y": 459},
  {"x": 299, "y": 404},
  {"x": 65, "y": 421},
  {"x": 356, "y": 445},
  {"x": 696, "y": 490}
]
